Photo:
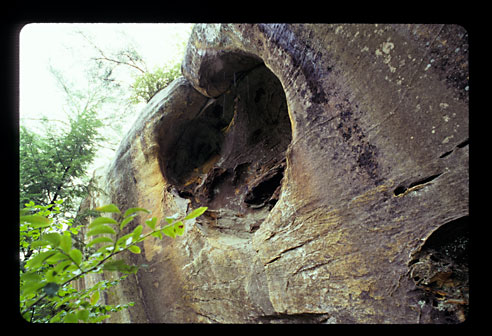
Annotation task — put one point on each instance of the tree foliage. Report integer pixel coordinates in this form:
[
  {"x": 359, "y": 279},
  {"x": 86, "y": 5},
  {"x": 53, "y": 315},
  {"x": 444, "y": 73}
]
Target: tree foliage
[
  {"x": 48, "y": 273},
  {"x": 52, "y": 165},
  {"x": 148, "y": 84}
]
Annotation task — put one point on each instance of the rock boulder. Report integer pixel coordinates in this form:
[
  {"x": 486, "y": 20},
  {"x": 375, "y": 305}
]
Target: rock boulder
[{"x": 334, "y": 162}]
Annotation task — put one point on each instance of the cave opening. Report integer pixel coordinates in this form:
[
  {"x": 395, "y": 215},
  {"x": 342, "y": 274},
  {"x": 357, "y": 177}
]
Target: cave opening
[
  {"x": 440, "y": 271},
  {"x": 231, "y": 156}
]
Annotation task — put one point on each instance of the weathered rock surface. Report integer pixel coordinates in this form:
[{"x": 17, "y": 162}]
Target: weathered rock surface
[{"x": 327, "y": 155}]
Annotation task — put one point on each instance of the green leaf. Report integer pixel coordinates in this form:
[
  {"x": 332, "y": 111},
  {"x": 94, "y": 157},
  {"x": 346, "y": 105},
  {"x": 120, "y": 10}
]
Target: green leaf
[
  {"x": 134, "y": 249},
  {"x": 102, "y": 220},
  {"x": 173, "y": 230},
  {"x": 136, "y": 232},
  {"x": 105, "y": 249},
  {"x": 172, "y": 218},
  {"x": 99, "y": 240},
  {"x": 151, "y": 222},
  {"x": 169, "y": 231},
  {"x": 76, "y": 256},
  {"x": 75, "y": 230},
  {"x": 39, "y": 258},
  {"x": 100, "y": 318},
  {"x": 56, "y": 258},
  {"x": 31, "y": 287},
  {"x": 64, "y": 300},
  {"x": 108, "y": 208},
  {"x": 126, "y": 221},
  {"x": 100, "y": 229},
  {"x": 24, "y": 211},
  {"x": 120, "y": 266},
  {"x": 179, "y": 228},
  {"x": 94, "y": 297},
  {"x": 66, "y": 242},
  {"x": 157, "y": 234},
  {"x": 83, "y": 315},
  {"x": 195, "y": 213},
  {"x": 30, "y": 277},
  {"x": 123, "y": 240},
  {"x": 133, "y": 210},
  {"x": 36, "y": 221},
  {"x": 62, "y": 266},
  {"x": 38, "y": 243},
  {"x": 70, "y": 318},
  {"x": 53, "y": 238},
  {"x": 50, "y": 275},
  {"x": 56, "y": 318}
]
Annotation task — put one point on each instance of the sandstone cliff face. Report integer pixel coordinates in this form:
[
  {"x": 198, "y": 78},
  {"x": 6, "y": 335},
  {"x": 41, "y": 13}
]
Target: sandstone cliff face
[{"x": 334, "y": 162}]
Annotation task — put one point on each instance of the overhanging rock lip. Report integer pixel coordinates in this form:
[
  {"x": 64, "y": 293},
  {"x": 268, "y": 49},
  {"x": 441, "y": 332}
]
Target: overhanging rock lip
[
  {"x": 168, "y": 109},
  {"x": 213, "y": 68},
  {"x": 155, "y": 106}
]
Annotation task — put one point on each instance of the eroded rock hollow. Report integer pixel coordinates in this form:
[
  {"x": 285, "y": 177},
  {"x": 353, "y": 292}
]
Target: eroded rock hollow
[
  {"x": 231, "y": 156},
  {"x": 330, "y": 157}
]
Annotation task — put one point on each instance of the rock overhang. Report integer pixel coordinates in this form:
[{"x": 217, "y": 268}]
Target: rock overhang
[
  {"x": 346, "y": 197},
  {"x": 231, "y": 155}
]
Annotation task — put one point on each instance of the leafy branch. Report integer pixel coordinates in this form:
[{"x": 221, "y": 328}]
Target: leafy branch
[{"x": 47, "y": 294}]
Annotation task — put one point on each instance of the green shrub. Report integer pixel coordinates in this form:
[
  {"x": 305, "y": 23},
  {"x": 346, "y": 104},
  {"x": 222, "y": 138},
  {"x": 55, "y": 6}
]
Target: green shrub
[{"x": 51, "y": 261}]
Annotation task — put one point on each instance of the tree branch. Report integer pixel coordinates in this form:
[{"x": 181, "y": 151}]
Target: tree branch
[
  {"x": 104, "y": 58},
  {"x": 102, "y": 261}
]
